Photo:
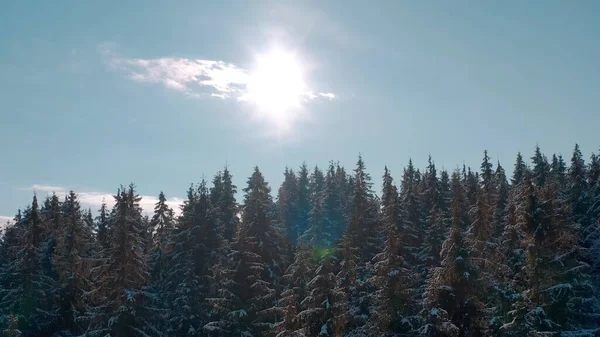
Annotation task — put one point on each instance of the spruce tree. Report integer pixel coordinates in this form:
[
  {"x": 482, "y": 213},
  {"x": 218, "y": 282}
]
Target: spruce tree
[
  {"x": 302, "y": 200},
  {"x": 519, "y": 170},
  {"x": 26, "y": 301},
  {"x": 223, "y": 199},
  {"x": 102, "y": 223},
  {"x": 435, "y": 217},
  {"x": 190, "y": 281},
  {"x": 162, "y": 226},
  {"x": 541, "y": 168},
  {"x": 320, "y": 229},
  {"x": 123, "y": 303},
  {"x": 393, "y": 305},
  {"x": 451, "y": 299},
  {"x": 411, "y": 219},
  {"x": 296, "y": 279},
  {"x": 71, "y": 260},
  {"x": 287, "y": 204},
  {"x": 246, "y": 302}
]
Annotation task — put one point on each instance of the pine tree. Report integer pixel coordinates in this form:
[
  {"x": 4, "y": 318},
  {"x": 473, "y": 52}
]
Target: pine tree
[
  {"x": 554, "y": 295},
  {"x": 541, "y": 168},
  {"x": 435, "y": 217},
  {"x": 216, "y": 191},
  {"x": 519, "y": 170},
  {"x": 320, "y": 230},
  {"x": 594, "y": 213},
  {"x": 123, "y": 307},
  {"x": 190, "y": 281},
  {"x": 578, "y": 197},
  {"x": 26, "y": 300},
  {"x": 223, "y": 199},
  {"x": 287, "y": 203},
  {"x": 102, "y": 223},
  {"x": 325, "y": 306},
  {"x": 51, "y": 215},
  {"x": 363, "y": 230},
  {"x": 71, "y": 261},
  {"x": 296, "y": 279},
  {"x": 500, "y": 207},
  {"x": 411, "y": 219},
  {"x": 480, "y": 233},
  {"x": 452, "y": 305},
  {"x": 345, "y": 185},
  {"x": 558, "y": 171},
  {"x": 336, "y": 188},
  {"x": 394, "y": 304},
  {"x": 247, "y": 301},
  {"x": 302, "y": 200},
  {"x": 162, "y": 226}
]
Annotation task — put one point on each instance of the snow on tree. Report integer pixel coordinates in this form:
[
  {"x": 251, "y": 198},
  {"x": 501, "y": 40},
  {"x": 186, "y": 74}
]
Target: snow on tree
[
  {"x": 452, "y": 306},
  {"x": 287, "y": 205},
  {"x": 246, "y": 303},
  {"x": 394, "y": 307},
  {"x": 72, "y": 259},
  {"x": 123, "y": 304},
  {"x": 161, "y": 226},
  {"x": 26, "y": 296}
]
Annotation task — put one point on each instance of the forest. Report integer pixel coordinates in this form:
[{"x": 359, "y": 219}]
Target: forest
[{"x": 466, "y": 252}]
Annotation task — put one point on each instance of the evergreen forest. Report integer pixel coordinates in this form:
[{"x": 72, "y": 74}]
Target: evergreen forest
[{"x": 473, "y": 251}]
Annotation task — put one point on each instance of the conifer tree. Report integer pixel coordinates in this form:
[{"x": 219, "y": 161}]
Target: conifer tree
[
  {"x": 302, "y": 200},
  {"x": 435, "y": 216},
  {"x": 102, "y": 223},
  {"x": 26, "y": 300},
  {"x": 320, "y": 229},
  {"x": 452, "y": 306},
  {"x": 223, "y": 199},
  {"x": 500, "y": 207},
  {"x": 71, "y": 261},
  {"x": 394, "y": 305},
  {"x": 162, "y": 226},
  {"x": 247, "y": 301},
  {"x": 196, "y": 243},
  {"x": 287, "y": 204},
  {"x": 123, "y": 305},
  {"x": 410, "y": 215},
  {"x": 519, "y": 170},
  {"x": 480, "y": 232},
  {"x": 51, "y": 215},
  {"x": 541, "y": 168},
  {"x": 558, "y": 170},
  {"x": 594, "y": 213},
  {"x": 578, "y": 196},
  {"x": 296, "y": 279},
  {"x": 324, "y": 308}
]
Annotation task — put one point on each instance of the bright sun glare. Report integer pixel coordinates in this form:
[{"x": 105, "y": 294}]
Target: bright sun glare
[{"x": 276, "y": 86}]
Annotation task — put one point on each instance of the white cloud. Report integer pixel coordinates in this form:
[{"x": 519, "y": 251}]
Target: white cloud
[
  {"x": 222, "y": 79},
  {"x": 94, "y": 200},
  {"x": 327, "y": 95},
  {"x": 181, "y": 74}
]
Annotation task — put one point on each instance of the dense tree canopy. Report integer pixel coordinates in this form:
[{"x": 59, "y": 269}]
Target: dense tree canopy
[{"x": 469, "y": 252}]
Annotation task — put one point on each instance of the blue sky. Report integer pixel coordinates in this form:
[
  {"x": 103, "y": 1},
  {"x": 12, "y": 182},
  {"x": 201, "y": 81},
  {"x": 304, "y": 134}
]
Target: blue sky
[{"x": 94, "y": 94}]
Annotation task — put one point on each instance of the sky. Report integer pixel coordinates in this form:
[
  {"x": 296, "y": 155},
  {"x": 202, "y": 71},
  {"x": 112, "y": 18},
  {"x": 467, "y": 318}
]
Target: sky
[{"x": 94, "y": 94}]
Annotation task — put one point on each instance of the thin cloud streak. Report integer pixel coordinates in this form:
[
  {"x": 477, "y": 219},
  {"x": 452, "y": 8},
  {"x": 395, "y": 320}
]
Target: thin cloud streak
[{"x": 43, "y": 188}]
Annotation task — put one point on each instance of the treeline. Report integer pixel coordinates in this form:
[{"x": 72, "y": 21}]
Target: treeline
[{"x": 461, "y": 253}]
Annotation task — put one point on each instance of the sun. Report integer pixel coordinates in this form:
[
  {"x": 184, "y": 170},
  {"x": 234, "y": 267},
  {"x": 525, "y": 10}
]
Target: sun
[{"x": 276, "y": 85}]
